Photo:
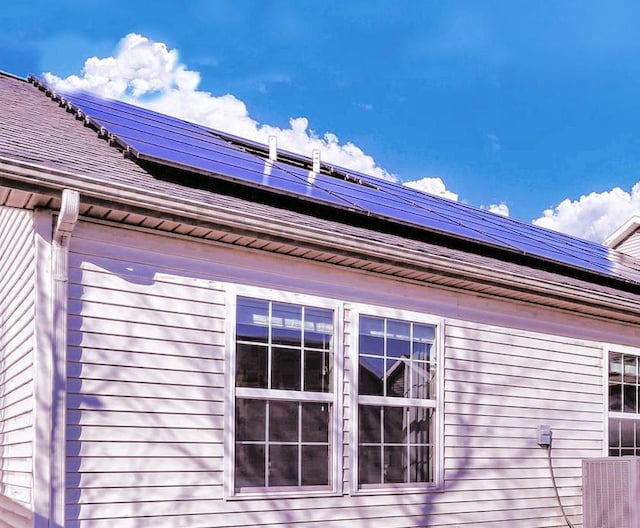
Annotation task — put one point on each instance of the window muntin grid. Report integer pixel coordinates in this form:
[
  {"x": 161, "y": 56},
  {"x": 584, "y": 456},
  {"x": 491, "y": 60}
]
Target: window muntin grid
[
  {"x": 624, "y": 408},
  {"x": 396, "y": 402},
  {"x": 396, "y": 358},
  {"x": 284, "y": 402},
  {"x": 395, "y": 445},
  {"x": 282, "y": 443}
]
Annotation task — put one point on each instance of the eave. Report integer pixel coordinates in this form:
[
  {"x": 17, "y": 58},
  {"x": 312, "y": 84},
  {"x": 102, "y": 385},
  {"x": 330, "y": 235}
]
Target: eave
[{"x": 31, "y": 186}]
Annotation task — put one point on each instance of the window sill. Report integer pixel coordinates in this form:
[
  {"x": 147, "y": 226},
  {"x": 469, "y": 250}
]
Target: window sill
[
  {"x": 398, "y": 490},
  {"x": 292, "y": 494}
]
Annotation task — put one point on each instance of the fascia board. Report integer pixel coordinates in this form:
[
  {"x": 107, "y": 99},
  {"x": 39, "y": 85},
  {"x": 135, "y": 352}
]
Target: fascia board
[{"x": 159, "y": 204}]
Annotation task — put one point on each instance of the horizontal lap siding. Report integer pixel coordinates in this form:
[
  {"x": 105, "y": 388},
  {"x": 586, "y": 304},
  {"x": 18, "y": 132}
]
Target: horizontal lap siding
[
  {"x": 145, "y": 427},
  {"x": 631, "y": 246},
  {"x": 16, "y": 366},
  {"x": 500, "y": 385},
  {"x": 145, "y": 382}
]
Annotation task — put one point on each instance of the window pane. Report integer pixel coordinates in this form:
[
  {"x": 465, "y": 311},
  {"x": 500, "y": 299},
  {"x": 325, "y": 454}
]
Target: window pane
[
  {"x": 285, "y": 369},
  {"x": 249, "y": 466},
  {"x": 397, "y": 378},
  {"x": 252, "y": 320},
  {"x": 315, "y": 422},
  {"x": 630, "y": 398},
  {"x": 283, "y": 465},
  {"x": 424, "y": 334},
  {"x": 394, "y": 426},
  {"x": 286, "y": 324},
  {"x": 250, "y": 420},
  {"x": 398, "y": 339},
  {"x": 369, "y": 424},
  {"x": 369, "y": 465},
  {"x": 283, "y": 421},
  {"x": 628, "y": 433},
  {"x": 251, "y": 366},
  {"x": 419, "y": 425},
  {"x": 318, "y": 369},
  {"x": 614, "y": 433},
  {"x": 395, "y": 463},
  {"x": 421, "y": 377},
  {"x": 318, "y": 328},
  {"x": 420, "y": 464},
  {"x": 371, "y": 376},
  {"x": 315, "y": 465},
  {"x": 371, "y": 336}
]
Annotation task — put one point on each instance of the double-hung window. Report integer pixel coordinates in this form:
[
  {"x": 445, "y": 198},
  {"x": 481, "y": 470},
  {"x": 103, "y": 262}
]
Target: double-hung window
[
  {"x": 395, "y": 402},
  {"x": 283, "y": 405},
  {"x": 624, "y": 403}
]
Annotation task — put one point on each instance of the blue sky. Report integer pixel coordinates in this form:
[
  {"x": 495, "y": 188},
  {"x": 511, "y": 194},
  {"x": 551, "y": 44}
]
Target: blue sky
[{"x": 521, "y": 107}]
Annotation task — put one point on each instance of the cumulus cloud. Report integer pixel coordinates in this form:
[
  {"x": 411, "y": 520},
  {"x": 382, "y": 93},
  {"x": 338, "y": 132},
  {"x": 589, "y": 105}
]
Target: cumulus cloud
[
  {"x": 594, "y": 216},
  {"x": 501, "y": 209},
  {"x": 147, "y": 73},
  {"x": 432, "y": 186}
]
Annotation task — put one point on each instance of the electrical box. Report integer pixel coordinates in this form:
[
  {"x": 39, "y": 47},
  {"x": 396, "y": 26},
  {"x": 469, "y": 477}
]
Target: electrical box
[{"x": 544, "y": 435}]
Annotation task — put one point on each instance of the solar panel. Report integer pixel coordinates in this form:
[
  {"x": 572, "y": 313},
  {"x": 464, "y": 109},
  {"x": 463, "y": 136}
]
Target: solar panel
[{"x": 156, "y": 137}]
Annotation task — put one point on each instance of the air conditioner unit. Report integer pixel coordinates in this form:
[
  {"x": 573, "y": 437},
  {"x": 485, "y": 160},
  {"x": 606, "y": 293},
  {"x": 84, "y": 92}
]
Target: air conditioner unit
[{"x": 611, "y": 492}]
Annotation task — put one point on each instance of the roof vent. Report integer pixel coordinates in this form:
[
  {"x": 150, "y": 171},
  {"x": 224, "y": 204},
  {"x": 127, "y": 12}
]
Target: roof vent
[{"x": 273, "y": 148}]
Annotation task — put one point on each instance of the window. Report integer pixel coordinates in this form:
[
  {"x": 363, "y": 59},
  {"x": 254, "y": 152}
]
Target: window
[
  {"x": 396, "y": 402},
  {"x": 283, "y": 405},
  {"x": 624, "y": 405}
]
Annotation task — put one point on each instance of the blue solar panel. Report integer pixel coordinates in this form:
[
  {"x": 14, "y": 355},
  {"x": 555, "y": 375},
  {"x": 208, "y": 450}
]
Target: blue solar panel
[{"x": 170, "y": 141}]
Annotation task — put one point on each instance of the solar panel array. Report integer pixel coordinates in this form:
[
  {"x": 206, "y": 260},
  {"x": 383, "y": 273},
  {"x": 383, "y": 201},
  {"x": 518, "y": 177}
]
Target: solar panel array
[{"x": 155, "y": 137}]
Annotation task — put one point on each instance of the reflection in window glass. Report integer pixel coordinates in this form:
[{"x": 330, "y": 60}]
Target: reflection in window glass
[
  {"x": 395, "y": 358},
  {"x": 396, "y": 363},
  {"x": 290, "y": 439},
  {"x": 285, "y": 369},
  {"x": 283, "y": 349},
  {"x": 251, "y": 365},
  {"x": 394, "y": 444},
  {"x": 624, "y": 418}
]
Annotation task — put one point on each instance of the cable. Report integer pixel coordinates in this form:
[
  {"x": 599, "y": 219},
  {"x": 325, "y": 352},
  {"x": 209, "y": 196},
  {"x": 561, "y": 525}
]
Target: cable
[{"x": 555, "y": 487}]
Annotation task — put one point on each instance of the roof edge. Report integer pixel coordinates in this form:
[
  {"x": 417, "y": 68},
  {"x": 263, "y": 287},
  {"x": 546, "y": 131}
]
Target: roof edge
[{"x": 623, "y": 232}]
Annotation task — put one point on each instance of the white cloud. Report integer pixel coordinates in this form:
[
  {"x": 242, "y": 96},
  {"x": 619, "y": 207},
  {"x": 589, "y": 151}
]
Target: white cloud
[
  {"x": 594, "y": 216},
  {"x": 432, "y": 186},
  {"x": 501, "y": 209},
  {"x": 494, "y": 142},
  {"x": 149, "y": 74}
]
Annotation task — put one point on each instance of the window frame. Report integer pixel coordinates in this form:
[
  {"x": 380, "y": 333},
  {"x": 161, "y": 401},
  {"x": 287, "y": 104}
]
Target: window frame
[
  {"x": 436, "y": 403},
  {"x": 621, "y": 415},
  {"x": 232, "y": 393}
]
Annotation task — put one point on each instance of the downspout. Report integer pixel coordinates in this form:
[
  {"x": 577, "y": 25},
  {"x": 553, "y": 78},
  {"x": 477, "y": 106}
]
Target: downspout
[{"x": 67, "y": 219}]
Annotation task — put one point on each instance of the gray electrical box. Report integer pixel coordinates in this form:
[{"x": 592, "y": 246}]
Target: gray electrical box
[{"x": 544, "y": 435}]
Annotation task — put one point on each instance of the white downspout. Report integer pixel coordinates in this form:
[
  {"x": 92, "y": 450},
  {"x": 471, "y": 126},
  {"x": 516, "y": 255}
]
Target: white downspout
[{"x": 67, "y": 219}]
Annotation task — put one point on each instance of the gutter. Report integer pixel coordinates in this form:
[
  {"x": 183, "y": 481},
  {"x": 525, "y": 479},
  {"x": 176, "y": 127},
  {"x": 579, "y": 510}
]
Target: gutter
[
  {"x": 67, "y": 218},
  {"x": 505, "y": 283}
]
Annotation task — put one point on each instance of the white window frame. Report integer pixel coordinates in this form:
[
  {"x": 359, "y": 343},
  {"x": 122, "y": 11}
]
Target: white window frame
[
  {"x": 607, "y": 350},
  {"x": 355, "y": 399},
  {"x": 232, "y": 392}
]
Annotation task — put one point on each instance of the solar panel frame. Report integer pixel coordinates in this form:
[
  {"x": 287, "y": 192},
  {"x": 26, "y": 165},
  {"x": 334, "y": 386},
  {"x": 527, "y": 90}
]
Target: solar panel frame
[{"x": 170, "y": 141}]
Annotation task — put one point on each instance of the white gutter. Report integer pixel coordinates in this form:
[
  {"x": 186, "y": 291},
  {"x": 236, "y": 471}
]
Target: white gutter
[
  {"x": 67, "y": 219},
  {"x": 508, "y": 284}
]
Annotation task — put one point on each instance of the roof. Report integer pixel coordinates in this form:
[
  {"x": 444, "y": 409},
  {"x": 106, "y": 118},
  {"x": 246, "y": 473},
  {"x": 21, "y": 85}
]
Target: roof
[
  {"x": 152, "y": 137},
  {"x": 623, "y": 232},
  {"x": 47, "y": 144}
]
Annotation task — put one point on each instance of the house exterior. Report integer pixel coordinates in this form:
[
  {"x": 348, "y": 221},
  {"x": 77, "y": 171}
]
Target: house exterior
[
  {"x": 627, "y": 238},
  {"x": 187, "y": 349}
]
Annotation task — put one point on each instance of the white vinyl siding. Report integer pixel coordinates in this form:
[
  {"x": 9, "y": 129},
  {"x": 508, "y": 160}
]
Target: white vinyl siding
[
  {"x": 623, "y": 397},
  {"x": 631, "y": 246},
  {"x": 146, "y": 409},
  {"x": 17, "y": 308}
]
